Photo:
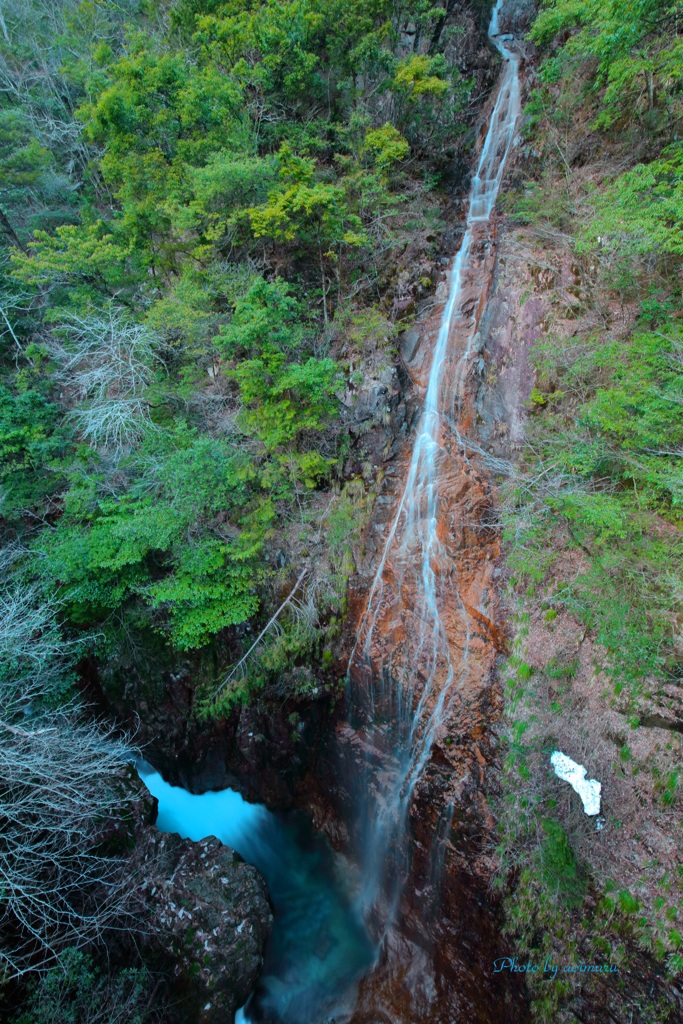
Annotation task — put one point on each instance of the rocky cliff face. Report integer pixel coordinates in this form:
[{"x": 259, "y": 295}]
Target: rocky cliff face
[
  {"x": 436, "y": 964},
  {"x": 270, "y": 750}
]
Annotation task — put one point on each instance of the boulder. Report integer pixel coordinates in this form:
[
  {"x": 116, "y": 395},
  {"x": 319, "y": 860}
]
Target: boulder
[{"x": 209, "y": 914}]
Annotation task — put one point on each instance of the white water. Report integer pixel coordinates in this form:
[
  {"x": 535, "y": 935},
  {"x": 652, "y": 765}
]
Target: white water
[
  {"x": 319, "y": 948},
  {"x": 411, "y": 727}
]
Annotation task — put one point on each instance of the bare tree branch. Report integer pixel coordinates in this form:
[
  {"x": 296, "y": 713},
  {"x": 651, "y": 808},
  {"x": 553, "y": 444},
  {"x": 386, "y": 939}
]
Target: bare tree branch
[{"x": 269, "y": 625}]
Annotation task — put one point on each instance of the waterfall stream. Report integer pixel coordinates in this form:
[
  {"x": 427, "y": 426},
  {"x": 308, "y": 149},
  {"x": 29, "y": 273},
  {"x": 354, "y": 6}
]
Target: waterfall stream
[
  {"x": 318, "y": 948},
  {"x": 415, "y": 599}
]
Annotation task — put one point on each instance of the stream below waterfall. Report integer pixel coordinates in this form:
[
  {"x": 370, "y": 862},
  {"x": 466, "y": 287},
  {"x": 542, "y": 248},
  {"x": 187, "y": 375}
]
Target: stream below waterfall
[{"x": 318, "y": 949}]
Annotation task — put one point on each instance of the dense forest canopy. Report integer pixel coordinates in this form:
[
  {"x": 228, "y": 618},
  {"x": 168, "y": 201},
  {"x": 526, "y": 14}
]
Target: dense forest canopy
[{"x": 193, "y": 196}]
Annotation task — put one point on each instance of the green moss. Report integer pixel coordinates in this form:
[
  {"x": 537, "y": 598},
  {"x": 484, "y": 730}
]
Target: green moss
[{"x": 559, "y": 870}]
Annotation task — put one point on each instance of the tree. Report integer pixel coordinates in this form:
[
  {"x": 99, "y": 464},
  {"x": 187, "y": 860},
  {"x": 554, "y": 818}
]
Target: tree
[
  {"x": 313, "y": 214},
  {"x": 32, "y": 440},
  {"x": 80, "y": 992},
  {"x": 106, "y": 363},
  {"x": 32, "y": 648},
  {"x": 159, "y": 115},
  {"x": 633, "y": 44},
  {"x": 642, "y": 209},
  {"x": 62, "y": 803},
  {"x": 23, "y": 166},
  {"x": 183, "y": 537},
  {"x": 73, "y": 254},
  {"x": 283, "y": 397},
  {"x": 64, "y": 817}
]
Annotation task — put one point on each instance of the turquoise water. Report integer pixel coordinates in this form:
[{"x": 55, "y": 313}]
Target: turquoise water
[{"x": 318, "y": 949}]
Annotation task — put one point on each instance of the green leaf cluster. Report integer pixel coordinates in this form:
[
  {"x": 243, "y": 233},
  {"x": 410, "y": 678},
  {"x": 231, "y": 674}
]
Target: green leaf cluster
[{"x": 218, "y": 178}]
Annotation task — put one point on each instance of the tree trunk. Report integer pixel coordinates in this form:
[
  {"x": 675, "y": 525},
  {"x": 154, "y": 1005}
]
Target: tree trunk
[{"x": 324, "y": 284}]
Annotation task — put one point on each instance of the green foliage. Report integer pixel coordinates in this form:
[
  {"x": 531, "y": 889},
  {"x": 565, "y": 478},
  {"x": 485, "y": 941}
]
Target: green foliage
[
  {"x": 633, "y": 45},
  {"x": 386, "y": 145},
  {"x": 641, "y": 211},
  {"x": 557, "y": 668},
  {"x": 267, "y": 310},
  {"x": 160, "y": 116},
  {"x": 24, "y": 166},
  {"x": 281, "y": 399},
  {"x": 593, "y": 520},
  {"x": 420, "y": 75},
  {"x": 32, "y": 439},
  {"x": 559, "y": 869},
  {"x": 668, "y": 787},
  {"x": 218, "y": 181},
  {"x": 614, "y": 469},
  {"x": 225, "y": 185},
  {"x": 311, "y": 213},
  {"x": 628, "y": 904},
  {"x": 85, "y": 253},
  {"x": 541, "y": 202},
  {"x": 160, "y": 541}
]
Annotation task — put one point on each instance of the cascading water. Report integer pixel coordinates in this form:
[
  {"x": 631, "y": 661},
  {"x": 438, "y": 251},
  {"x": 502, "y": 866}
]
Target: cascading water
[{"x": 403, "y": 689}]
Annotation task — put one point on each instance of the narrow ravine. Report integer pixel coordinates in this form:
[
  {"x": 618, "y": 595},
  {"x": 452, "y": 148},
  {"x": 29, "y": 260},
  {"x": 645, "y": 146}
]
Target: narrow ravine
[
  {"x": 318, "y": 949},
  {"x": 341, "y": 532},
  {"x": 419, "y": 642}
]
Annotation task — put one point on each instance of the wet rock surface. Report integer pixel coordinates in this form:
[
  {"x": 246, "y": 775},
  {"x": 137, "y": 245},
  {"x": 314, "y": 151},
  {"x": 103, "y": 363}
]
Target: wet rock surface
[
  {"x": 208, "y": 914},
  {"x": 436, "y": 963},
  {"x": 436, "y": 960},
  {"x": 447, "y": 932}
]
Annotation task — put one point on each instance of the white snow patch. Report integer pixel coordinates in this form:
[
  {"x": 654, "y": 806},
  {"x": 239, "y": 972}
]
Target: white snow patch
[{"x": 575, "y": 775}]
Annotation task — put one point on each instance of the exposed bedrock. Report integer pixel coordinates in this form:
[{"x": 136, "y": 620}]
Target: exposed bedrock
[
  {"x": 209, "y": 915},
  {"x": 436, "y": 964},
  {"x": 204, "y": 916},
  {"x": 436, "y": 961}
]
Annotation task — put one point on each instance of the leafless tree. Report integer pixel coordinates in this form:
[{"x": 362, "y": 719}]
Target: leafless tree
[
  {"x": 32, "y": 647},
  {"x": 31, "y": 73},
  {"x": 64, "y": 799},
  {"x": 106, "y": 362},
  {"x": 62, "y": 804}
]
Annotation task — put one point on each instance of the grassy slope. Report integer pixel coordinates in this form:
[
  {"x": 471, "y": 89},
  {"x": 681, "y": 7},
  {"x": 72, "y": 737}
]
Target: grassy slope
[{"x": 592, "y": 521}]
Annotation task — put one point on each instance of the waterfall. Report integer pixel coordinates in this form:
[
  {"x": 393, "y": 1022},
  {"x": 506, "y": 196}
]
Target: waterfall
[{"x": 413, "y": 645}]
